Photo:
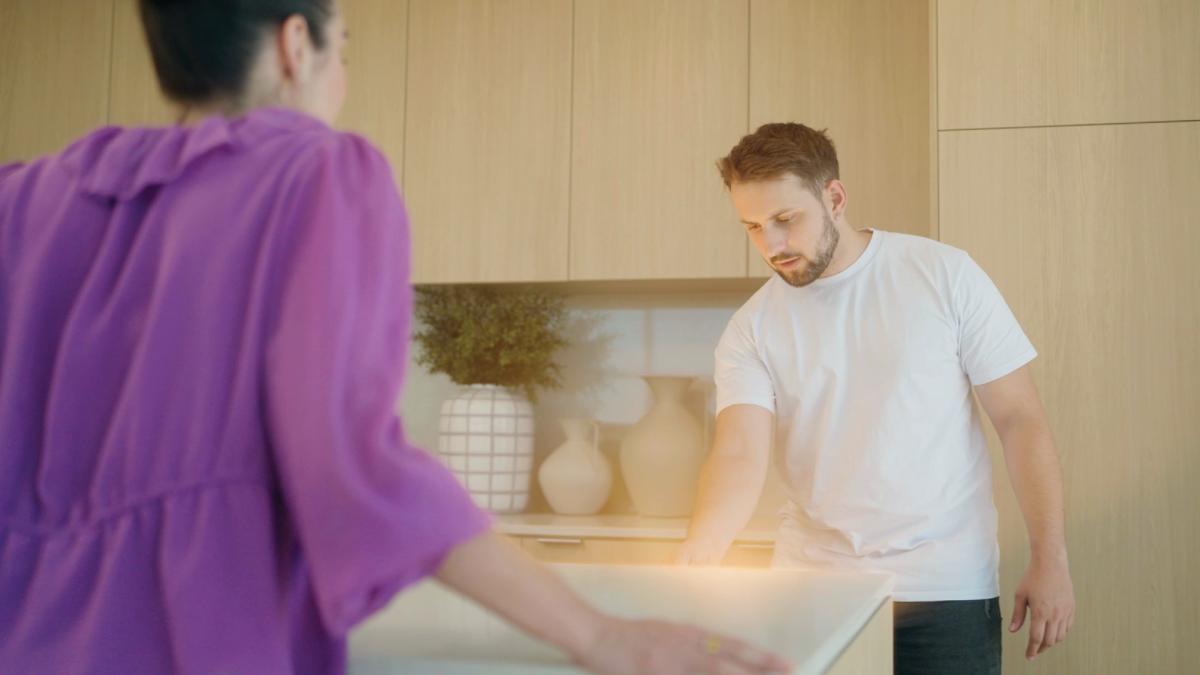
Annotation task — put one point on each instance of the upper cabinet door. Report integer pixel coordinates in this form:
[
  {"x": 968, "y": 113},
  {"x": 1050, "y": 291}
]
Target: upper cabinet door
[
  {"x": 660, "y": 95},
  {"x": 54, "y": 59},
  {"x": 137, "y": 99},
  {"x": 859, "y": 68},
  {"x": 487, "y": 151},
  {"x": 1042, "y": 63},
  {"x": 377, "y": 33}
]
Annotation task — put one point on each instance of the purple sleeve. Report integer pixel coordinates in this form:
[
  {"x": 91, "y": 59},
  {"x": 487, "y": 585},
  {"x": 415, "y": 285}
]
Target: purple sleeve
[{"x": 373, "y": 513}]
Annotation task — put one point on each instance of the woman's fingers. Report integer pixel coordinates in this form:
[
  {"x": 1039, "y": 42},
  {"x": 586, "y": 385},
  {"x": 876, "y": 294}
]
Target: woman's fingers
[{"x": 743, "y": 657}]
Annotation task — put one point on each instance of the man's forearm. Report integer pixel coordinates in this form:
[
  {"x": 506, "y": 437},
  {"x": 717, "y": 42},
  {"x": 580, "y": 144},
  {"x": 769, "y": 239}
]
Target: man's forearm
[
  {"x": 727, "y": 496},
  {"x": 1033, "y": 467}
]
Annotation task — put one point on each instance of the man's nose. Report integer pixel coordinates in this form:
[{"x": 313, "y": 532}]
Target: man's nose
[{"x": 777, "y": 240}]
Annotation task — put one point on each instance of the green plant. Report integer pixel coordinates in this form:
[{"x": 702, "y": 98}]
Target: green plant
[{"x": 481, "y": 335}]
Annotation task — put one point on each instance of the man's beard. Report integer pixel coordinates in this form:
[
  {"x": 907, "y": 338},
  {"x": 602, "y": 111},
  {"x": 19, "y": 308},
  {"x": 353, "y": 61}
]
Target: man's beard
[{"x": 814, "y": 267}]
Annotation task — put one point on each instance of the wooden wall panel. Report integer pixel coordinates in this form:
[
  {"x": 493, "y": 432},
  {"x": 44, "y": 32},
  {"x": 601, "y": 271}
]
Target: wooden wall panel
[
  {"x": 54, "y": 68},
  {"x": 376, "y": 68},
  {"x": 872, "y": 651},
  {"x": 135, "y": 97},
  {"x": 1060, "y": 62},
  {"x": 487, "y": 157},
  {"x": 660, "y": 93},
  {"x": 1090, "y": 233},
  {"x": 860, "y": 68}
]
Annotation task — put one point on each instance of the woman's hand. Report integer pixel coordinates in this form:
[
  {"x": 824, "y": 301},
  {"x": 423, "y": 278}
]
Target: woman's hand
[{"x": 623, "y": 647}]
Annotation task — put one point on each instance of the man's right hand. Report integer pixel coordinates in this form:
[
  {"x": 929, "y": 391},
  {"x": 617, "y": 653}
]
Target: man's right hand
[
  {"x": 698, "y": 553},
  {"x": 621, "y": 647}
]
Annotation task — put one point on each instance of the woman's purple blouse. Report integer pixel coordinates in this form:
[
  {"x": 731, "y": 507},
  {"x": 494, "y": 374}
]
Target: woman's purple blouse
[{"x": 203, "y": 333}]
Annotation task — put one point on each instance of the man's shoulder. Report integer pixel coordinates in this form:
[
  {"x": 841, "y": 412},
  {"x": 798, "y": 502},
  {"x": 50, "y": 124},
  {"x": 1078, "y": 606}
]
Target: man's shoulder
[
  {"x": 926, "y": 257},
  {"x": 758, "y": 303},
  {"x": 922, "y": 247}
]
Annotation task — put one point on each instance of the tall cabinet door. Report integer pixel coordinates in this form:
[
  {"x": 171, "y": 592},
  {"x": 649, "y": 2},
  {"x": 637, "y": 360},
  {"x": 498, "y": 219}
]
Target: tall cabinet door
[
  {"x": 660, "y": 95},
  {"x": 487, "y": 149},
  {"x": 859, "y": 68},
  {"x": 1090, "y": 234},
  {"x": 54, "y": 60},
  {"x": 376, "y": 74},
  {"x": 137, "y": 99},
  {"x": 1036, "y": 62}
]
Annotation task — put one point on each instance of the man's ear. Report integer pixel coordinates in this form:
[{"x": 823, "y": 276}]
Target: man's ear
[{"x": 835, "y": 195}]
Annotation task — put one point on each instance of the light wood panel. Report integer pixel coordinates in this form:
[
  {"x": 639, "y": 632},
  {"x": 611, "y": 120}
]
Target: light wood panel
[
  {"x": 593, "y": 551},
  {"x": 600, "y": 551},
  {"x": 932, "y": 121},
  {"x": 487, "y": 160},
  {"x": 1043, "y": 62},
  {"x": 861, "y": 69},
  {"x": 871, "y": 653},
  {"x": 659, "y": 96},
  {"x": 1090, "y": 233},
  {"x": 376, "y": 74},
  {"x": 135, "y": 97},
  {"x": 748, "y": 555},
  {"x": 54, "y": 61}
]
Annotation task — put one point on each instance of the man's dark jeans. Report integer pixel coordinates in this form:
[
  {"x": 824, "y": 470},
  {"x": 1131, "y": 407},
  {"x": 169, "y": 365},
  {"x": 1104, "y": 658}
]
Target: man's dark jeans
[{"x": 953, "y": 637}]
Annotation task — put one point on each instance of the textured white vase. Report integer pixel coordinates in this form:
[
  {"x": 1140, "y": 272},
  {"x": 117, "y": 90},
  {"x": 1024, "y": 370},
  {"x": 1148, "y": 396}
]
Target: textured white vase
[
  {"x": 486, "y": 438},
  {"x": 663, "y": 453},
  {"x": 576, "y": 478}
]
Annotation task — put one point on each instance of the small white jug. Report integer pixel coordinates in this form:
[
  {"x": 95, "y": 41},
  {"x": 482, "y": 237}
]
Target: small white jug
[{"x": 576, "y": 478}]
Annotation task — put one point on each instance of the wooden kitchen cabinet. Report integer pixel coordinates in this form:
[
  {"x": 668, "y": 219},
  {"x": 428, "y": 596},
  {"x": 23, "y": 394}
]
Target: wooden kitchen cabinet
[
  {"x": 748, "y": 555},
  {"x": 873, "y": 651},
  {"x": 136, "y": 99},
  {"x": 659, "y": 96},
  {"x": 487, "y": 150},
  {"x": 1040, "y": 63},
  {"x": 599, "y": 551},
  {"x": 54, "y": 62},
  {"x": 1090, "y": 234},
  {"x": 376, "y": 74},
  {"x": 859, "y": 68}
]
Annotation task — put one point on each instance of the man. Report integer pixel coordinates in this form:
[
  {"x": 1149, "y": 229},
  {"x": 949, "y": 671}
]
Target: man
[{"x": 863, "y": 352}]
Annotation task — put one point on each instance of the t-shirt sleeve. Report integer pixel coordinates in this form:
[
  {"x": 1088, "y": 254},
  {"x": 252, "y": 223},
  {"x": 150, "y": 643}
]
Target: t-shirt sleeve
[
  {"x": 740, "y": 374},
  {"x": 372, "y": 513},
  {"x": 991, "y": 343}
]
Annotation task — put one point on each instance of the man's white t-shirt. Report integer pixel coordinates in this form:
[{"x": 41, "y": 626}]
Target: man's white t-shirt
[{"x": 881, "y": 451}]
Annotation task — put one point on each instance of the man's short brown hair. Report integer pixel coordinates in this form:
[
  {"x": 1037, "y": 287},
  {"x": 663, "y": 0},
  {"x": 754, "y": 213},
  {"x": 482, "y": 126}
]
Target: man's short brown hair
[{"x": 777, "y": 149}]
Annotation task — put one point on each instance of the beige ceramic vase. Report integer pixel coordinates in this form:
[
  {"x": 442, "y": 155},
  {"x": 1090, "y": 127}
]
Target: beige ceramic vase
[
  {"x": 576, "y": 478},
  {"x": 663, "y": 453}
]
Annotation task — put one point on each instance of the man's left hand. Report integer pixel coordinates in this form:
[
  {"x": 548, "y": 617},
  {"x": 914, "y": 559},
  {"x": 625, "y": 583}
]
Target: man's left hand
[{"x": 1046, "y": 592}]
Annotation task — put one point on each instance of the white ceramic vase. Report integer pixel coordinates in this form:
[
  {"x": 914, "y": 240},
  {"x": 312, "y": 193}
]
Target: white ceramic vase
[
  {"x": 663, "y": 453},
  {"x": 486, "y": 439},
  {"x": 576, "y": 478}
]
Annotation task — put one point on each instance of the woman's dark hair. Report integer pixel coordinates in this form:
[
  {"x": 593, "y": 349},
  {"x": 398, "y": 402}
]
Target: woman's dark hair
[{"x": 204, "y": 49}]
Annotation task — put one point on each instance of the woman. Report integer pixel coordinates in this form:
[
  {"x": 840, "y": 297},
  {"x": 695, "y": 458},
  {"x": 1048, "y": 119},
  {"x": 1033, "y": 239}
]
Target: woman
[{"x": 202, "y": 332}]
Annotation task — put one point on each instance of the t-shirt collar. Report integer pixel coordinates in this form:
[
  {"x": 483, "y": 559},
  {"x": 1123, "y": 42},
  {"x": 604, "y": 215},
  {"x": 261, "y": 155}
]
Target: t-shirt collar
[{"x": 855, "y": 267}]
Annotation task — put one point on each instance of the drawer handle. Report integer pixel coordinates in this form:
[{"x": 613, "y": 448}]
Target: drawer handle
[
  {"x": 757, "y": 546},
  {"x": 542, "y": 540}
]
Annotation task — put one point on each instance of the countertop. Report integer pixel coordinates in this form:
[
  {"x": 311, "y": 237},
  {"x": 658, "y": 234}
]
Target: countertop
[
  {"x": 806, "y": 617},
  {"x": 760, "y": 529}
]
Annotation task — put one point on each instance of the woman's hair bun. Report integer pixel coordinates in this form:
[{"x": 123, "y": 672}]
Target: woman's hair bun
[{"x": 203, "y": 49}]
